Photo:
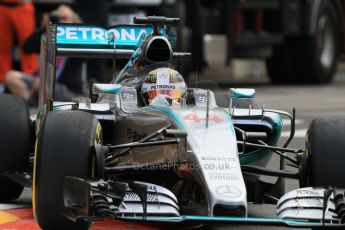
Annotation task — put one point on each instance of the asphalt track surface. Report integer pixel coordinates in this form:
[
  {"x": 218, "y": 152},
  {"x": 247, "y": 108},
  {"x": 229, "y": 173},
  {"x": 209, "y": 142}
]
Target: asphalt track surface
[{"x": 310, "y": 101}]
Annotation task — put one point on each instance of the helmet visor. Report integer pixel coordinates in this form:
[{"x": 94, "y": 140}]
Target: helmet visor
[{"x": 173, "y": 93}]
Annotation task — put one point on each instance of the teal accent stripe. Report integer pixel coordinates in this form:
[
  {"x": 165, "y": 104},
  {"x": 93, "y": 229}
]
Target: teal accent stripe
[
  {"x": 170, "y": 113},
  {"x": 230, "y": 220},
  {"x": 241, "y": 96},
  {"x": 231, "y": 125},
  {"x": 115, "y": 90}
]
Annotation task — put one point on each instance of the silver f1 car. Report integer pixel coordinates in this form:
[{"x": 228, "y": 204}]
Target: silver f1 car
[{"x": 187, "y": 162}]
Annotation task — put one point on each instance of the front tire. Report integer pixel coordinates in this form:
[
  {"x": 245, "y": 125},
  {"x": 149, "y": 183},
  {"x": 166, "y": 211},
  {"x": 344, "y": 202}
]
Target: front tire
[
  {"x": 64, "y": 149},
  {"x": 325, "y": 149}
]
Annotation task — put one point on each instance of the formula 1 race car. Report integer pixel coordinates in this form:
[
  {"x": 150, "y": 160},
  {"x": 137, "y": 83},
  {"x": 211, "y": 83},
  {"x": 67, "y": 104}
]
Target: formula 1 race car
[{"x": 147, "y": 148}]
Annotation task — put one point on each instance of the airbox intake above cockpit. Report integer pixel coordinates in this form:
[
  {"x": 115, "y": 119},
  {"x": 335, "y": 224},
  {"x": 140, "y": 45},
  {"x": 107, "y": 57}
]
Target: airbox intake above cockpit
[{"x": 158, "y": 50}]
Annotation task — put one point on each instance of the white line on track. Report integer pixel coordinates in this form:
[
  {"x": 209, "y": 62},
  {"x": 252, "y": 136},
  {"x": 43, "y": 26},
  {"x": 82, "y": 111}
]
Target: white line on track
[
  {"x": 297, "y": 122},
  {"x": 299, "y": 133}
]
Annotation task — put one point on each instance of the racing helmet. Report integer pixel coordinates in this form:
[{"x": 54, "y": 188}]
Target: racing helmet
[{"x": 163, "y": 81}]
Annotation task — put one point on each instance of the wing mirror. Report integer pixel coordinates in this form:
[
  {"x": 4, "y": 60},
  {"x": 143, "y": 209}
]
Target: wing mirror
[
  {"x": 105, "y": 89},
  {"x": 98, "y": 88},
  {"x": 242, "y": 93}
]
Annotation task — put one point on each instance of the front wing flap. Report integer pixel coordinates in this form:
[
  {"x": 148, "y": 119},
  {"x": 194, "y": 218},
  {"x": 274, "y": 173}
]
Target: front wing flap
[
  {"x": 153, "y": 204},
  {"x": 96, "y": 200}
]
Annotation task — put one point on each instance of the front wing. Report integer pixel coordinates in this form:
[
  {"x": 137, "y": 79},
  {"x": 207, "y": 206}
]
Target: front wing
[{"x": 305, "y": 207}]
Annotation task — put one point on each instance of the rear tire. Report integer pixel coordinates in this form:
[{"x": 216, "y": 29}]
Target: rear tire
[
  {"x": 15, "y": 143},
  {"x": 325, "y": 149},
  {"x": 64, "y": 149}
]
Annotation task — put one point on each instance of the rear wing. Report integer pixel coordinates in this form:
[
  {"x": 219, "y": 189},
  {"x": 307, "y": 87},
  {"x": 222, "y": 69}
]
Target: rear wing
[
  {"x": 78, "y": 40},
  {"x": 98, "y": 42},
  {"x": 88, "y": 41}
]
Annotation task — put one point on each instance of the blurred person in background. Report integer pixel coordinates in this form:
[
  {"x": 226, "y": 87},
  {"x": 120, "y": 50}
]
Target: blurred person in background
[
  {"x": 17, "y": 23},
  {"x": 95, "y": 13},
  {"x": 68, "y": 70}
]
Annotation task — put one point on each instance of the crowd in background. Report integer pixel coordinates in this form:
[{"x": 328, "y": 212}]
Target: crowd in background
[{"x": 19, "y": 29}]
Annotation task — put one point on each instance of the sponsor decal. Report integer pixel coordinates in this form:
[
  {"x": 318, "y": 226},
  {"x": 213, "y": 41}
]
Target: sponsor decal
[
  {"x": 99, "y": 34},
  {"x": 135, "y": 135},
  {"x": 131, "y": 196},
  {"x": 304, "y": 192},
  {"x": 163, "y": 73},
  {"x": 219, "y": 163},
  {"x": 163, "y": 87},
  {"x": 223, "y": 176},
  {"x": 310, "y": 202},
  {"x": 163, "y": 76},
  {"x": 218, "y": 159},
  {"x": 220, "y": 166},
  {"x": 128, "y": 96},
  {"x": 228, "y": 191},
  {"x": 195, "y": 117},
  {"x": 152, "y": 188}
]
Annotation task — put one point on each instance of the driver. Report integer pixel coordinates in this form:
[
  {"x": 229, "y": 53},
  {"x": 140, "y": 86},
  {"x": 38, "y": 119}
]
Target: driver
[{"x": 164, "y": 87}]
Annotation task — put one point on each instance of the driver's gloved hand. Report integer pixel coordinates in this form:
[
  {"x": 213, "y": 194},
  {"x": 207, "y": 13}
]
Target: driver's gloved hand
[{"x": 163, "y": 100}]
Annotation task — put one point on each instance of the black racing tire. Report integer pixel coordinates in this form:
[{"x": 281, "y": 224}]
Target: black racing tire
[
  {"x": 309, "y": 59},
  {"x": 64, "y": 149},
  {"x": 325, "y": 150},
  {"x": 15, "y": 143}
]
